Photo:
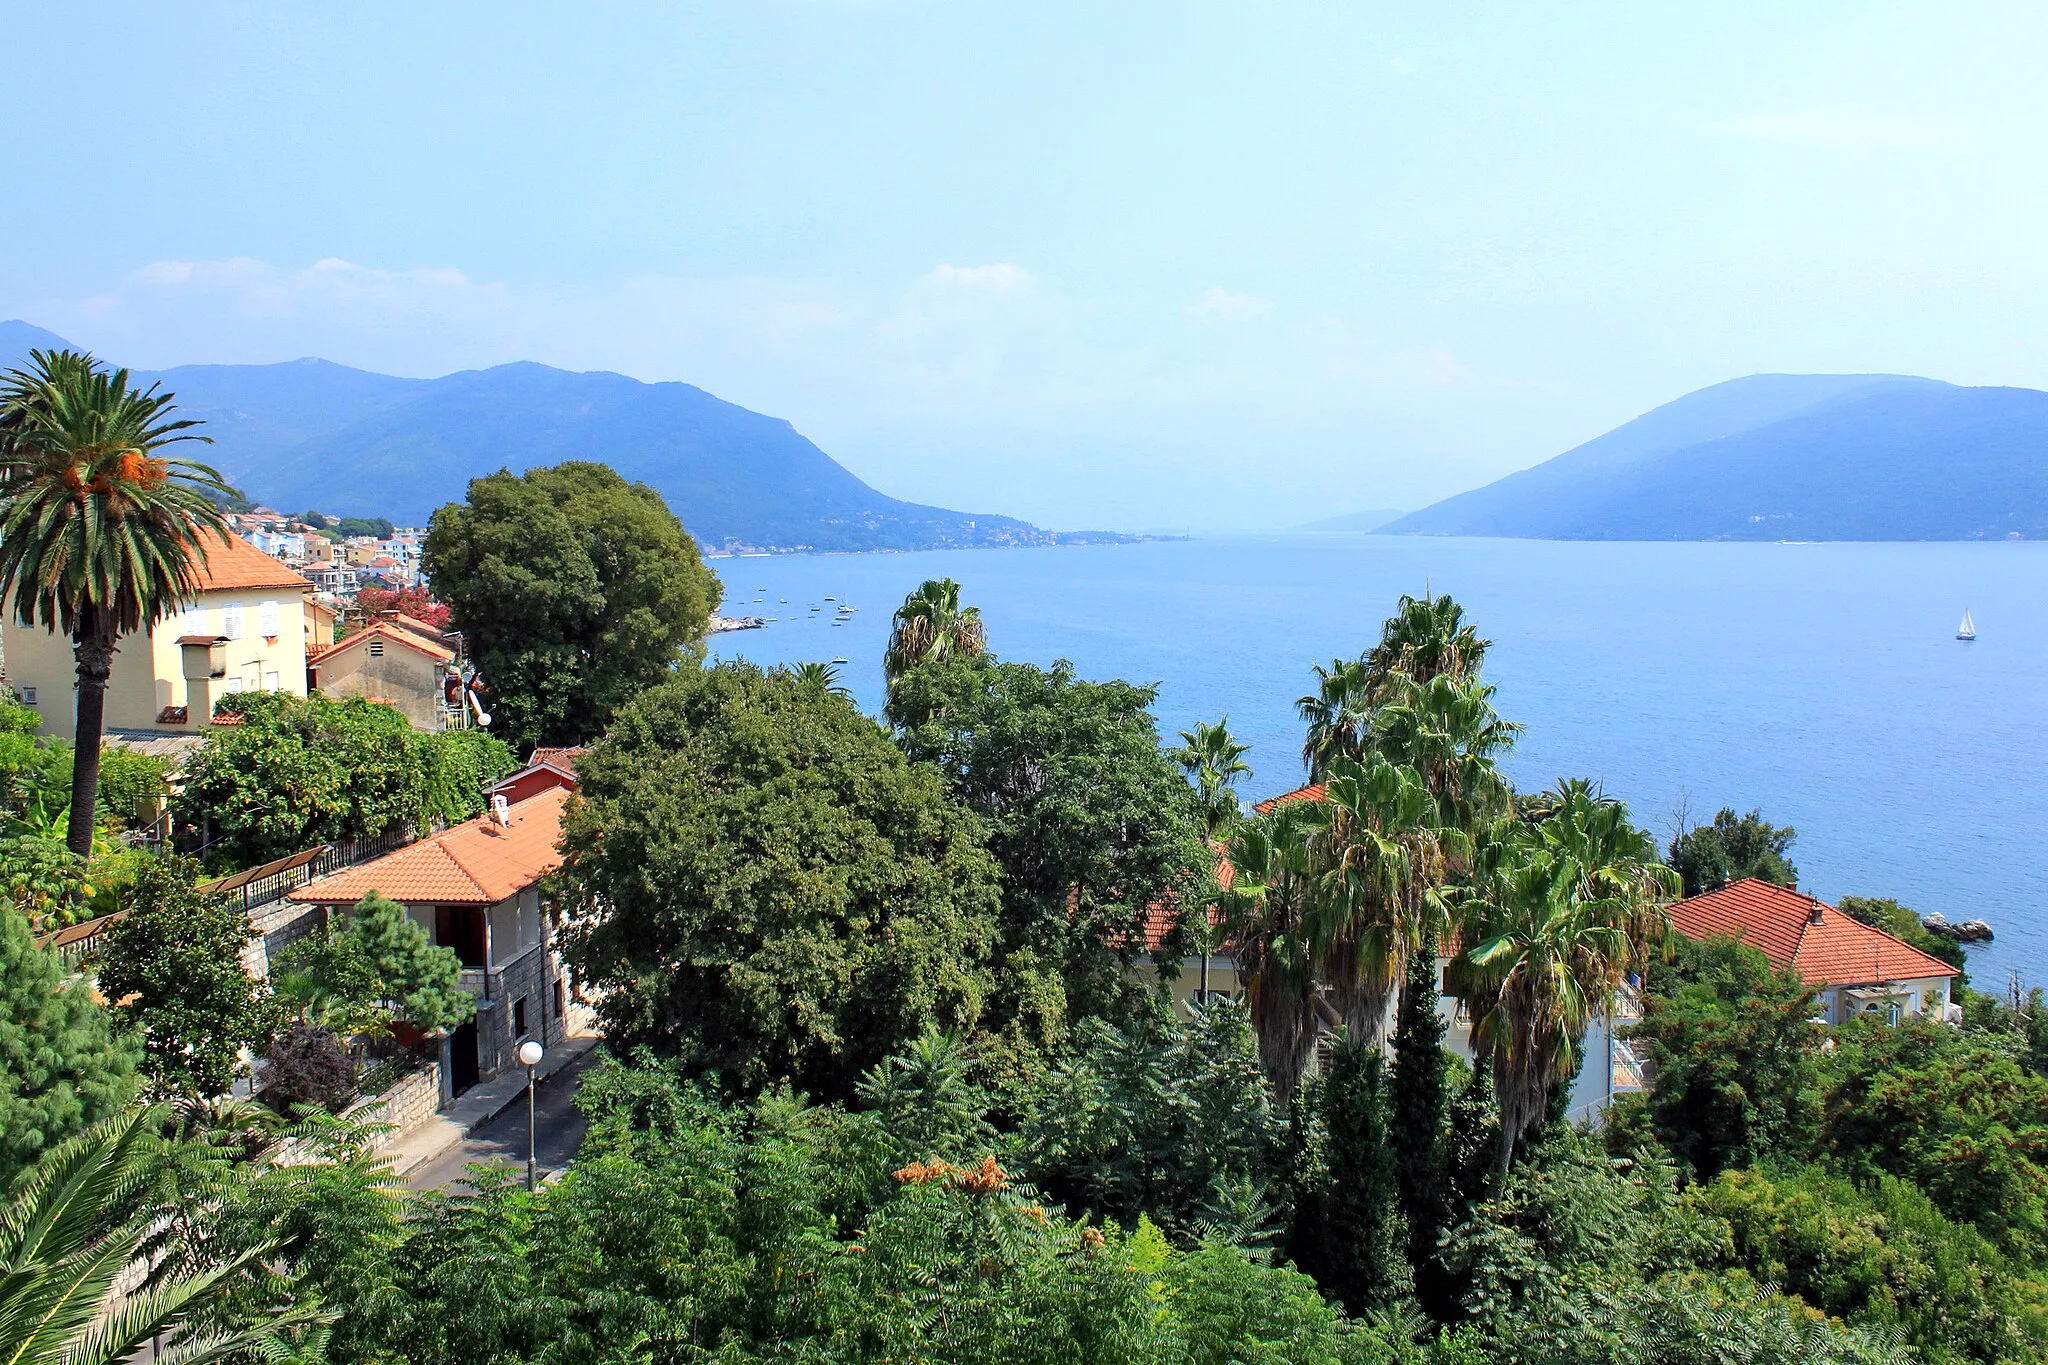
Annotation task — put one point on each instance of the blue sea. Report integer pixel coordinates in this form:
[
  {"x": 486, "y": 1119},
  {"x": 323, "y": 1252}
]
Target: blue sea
[{"x": 1821, "y": 683}]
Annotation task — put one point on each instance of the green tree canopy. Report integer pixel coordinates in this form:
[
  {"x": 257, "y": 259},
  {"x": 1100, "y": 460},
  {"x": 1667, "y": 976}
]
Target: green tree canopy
[
  {"x": 174, "y": 962},
  {"x": 301, "y": 771},
  {"x": 416, "y": 980},
  {"x": 1733, "y": 1047},
  {"x": 758, "y": 882},
  {"x": 1091, "y": 820},
  {"x": 574, "y": 590},
  {"x": 62, "y": 1065},
  {"x": 1731, "y": 848}
]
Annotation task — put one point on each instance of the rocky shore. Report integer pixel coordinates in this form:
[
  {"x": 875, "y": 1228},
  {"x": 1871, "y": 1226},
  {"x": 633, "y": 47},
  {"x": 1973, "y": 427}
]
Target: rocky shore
[{"x": 1962, "y": 931}]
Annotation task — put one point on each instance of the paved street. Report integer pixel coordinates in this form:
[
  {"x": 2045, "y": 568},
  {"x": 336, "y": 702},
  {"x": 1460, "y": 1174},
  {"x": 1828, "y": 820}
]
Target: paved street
[{"x": 502, "y": 1141}]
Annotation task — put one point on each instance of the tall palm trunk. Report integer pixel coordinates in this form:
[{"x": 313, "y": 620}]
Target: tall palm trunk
[{"x": 93, "y": 646}]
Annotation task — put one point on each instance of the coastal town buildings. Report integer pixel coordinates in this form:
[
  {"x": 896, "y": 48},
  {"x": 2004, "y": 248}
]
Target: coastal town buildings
[
  {"x": 245, "y": 632},
  {"x": 476, "y": 888}
]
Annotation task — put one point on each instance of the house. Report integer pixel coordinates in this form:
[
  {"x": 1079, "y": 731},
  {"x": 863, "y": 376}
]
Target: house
[
  {"x": 475, "y": 888},
  {"x": 323, "y": 622},
  {"x": 548, "y": 768},
  {"x": 334, "y": 578},
  {"x": 245, "y": 631},
  {"x": 389, "y": 664},
  {"x": 1858, "y": 969}
]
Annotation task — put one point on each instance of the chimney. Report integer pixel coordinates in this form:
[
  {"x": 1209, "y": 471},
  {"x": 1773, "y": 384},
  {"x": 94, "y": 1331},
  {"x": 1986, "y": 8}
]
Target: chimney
[
  {"x": 1813, "y": 915},
  {"x": 501, "y": 810}
]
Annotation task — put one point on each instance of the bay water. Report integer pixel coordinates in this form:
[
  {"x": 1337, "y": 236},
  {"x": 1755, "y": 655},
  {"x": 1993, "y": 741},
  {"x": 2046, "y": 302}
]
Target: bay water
[{"x": 1820, "y": 683}]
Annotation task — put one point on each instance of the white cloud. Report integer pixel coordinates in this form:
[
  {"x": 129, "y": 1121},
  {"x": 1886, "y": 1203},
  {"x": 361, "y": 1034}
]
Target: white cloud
[
  {"x": 1834, "y": 129},
  {"x": 1218, "y": 304},
  {"x": 1001, "y": 278}
]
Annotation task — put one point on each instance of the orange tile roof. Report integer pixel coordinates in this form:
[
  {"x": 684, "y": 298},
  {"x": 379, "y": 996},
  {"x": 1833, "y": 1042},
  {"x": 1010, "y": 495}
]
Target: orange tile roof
[
  {"x": 384, "y": 631},
  {"x": 1314, "y": 791},
  {"x": 1824, "y": 945},
  {"x": 475, "y": 863},
  {"x": 562, "y": 758},
  {"x": 235, "y": 566}
]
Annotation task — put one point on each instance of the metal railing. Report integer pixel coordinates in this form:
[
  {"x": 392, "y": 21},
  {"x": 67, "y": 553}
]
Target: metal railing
[{"x": 255, "y": 887}]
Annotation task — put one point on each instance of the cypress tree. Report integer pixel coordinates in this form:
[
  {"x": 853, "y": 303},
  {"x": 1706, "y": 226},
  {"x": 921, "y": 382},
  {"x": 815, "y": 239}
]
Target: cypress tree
[
  {"x": 62, "y": 1065},
  {"x": 1420, "y": 1098},
  {"x": 1359, "y": 1234}
]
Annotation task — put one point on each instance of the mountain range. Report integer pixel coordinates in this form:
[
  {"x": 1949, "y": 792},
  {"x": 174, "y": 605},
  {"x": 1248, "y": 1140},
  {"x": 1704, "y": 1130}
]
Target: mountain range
[
  {"x": 310, "y": 434},
  {"x": 1784, "y": 457}
]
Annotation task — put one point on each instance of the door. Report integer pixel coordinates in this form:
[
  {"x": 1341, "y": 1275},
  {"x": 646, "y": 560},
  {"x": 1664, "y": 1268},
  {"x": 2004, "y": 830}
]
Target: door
[{"x": 462, "y": 1058}]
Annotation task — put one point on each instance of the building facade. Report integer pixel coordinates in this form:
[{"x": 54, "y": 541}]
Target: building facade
[
  {"x": 244, "y": 632},
  {"x": 475, "y": 889}
]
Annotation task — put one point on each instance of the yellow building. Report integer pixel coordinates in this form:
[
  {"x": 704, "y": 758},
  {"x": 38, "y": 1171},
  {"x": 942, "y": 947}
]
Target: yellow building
[{"x": 246, "y": 632}]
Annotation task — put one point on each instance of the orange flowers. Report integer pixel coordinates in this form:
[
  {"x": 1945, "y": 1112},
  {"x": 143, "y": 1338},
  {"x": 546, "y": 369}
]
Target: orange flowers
[{"x": 987, "y": 1178}]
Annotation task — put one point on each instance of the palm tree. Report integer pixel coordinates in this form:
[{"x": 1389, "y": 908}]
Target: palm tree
[
  {"x": 71, "y": 1234},
  {"x": 824, "y": 677},
  {"x": 100, "y": 536},
  {"x": 1213, "y": 759},
  {"x": 1425, "y": 638},
  {"x": 1264, "y": 912},
  {"x": 1383, "y": 862},
  {"x": 1576, "y": 903},
  {"x": 1339, "y": 715},
  {"x": 932, "y": 626},
  {"x": 1447, "y": 730}
]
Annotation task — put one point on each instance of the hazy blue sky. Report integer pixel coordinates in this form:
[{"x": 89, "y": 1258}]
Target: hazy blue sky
[{"x": 1117, "y": 262}]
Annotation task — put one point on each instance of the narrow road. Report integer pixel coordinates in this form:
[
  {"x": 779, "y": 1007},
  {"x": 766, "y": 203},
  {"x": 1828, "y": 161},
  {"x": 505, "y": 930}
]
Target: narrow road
[{"x": 502, "y": 1142}]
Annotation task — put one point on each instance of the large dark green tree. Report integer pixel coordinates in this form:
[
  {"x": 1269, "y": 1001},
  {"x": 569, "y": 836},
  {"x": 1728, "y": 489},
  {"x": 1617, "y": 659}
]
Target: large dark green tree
[
  {"x": 1348, "y": 1229},
  {"x": 573, "y": 588},
  {"x": 1420, "y": 1102},
  {"x": 1091, "y": 820},
  {"x": 174, "y": 964},
  {"x": 757, "y": 881},
  {"x": 101, "y": 535},
  {"x": 62, "y": 1065}
]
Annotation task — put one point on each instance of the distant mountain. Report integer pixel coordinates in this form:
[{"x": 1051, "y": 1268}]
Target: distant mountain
[
  {"x": 1350, "y": 522},
  {"x": 312, "y": 434},
  {"x": 1785, "y": 457}
]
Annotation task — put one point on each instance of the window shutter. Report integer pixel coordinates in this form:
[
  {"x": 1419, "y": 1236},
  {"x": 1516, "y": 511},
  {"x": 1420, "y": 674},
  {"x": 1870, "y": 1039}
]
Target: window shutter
[
  {"x": 266, "y": 619},
  {"x": 231, "y": 620}
]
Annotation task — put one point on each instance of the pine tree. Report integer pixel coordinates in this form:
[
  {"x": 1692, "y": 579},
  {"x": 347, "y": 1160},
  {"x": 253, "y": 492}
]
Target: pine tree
[
  {"x": 1359, "y": 1255},
  {"x": 174, "y": 961},
  {"x": 1421, "y": 1118},
  {"x": 419, "y": 982},
  {"x": 62, "y": 1066}
]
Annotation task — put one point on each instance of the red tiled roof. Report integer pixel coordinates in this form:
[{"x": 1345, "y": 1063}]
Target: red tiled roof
[
  {"x": 234, "y": 565},
  {"x": 1832, "y": 949},
  {"x": 1314, "y": 791},
  {"x": 384, "y": 631},
  {"x": 562, "y": 758},
  {"x": 476, "y": 863}
]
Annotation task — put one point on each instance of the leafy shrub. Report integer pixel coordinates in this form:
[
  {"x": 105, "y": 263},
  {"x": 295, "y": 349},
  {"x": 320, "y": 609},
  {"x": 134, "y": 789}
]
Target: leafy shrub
[{"x": 307, "y": 1065}]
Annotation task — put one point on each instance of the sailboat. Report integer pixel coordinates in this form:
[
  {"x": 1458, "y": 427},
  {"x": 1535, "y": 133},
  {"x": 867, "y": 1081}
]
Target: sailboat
[{"x": 1968, "y": 629}]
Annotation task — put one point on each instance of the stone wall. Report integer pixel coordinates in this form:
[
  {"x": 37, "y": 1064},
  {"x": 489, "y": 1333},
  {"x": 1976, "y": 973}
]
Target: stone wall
[
  {"x": 530, "y": 977},
  {"x": 278, "y": 925},
  {"x": 409, "y": 1101}
]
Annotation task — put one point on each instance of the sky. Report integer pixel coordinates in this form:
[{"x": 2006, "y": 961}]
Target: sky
[{"x": 1136, "y": 265}]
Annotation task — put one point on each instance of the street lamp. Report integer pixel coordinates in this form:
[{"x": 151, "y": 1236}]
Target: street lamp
[{"x": 529, "y": 1057}]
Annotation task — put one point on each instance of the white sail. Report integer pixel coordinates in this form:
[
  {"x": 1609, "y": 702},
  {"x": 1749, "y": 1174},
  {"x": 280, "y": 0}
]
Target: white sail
[{"x": 1968, "y": 629}]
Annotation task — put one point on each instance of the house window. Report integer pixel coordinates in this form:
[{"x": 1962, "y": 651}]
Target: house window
[
  {"x": 376, "y": 649},
  {"x": 270, "y": 681},
  {"x": 231, "y": 620},
  {"x": 561, "y": 998},
  {"x": 519, "y": 1017},
  {"x": 266, "y": 620},
  {"x": 28, "y": 696}
]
